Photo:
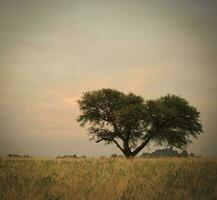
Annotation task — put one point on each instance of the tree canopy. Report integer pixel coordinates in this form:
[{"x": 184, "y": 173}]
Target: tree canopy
[{"x": 130, "y": 122}]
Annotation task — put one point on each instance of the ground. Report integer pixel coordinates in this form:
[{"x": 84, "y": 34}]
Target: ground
[{"x": 112, "y": 179}]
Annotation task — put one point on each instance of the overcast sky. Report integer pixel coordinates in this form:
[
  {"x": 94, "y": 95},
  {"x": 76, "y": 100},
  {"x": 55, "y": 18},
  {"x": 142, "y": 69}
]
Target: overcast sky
[{"x": 51, "y": 51}]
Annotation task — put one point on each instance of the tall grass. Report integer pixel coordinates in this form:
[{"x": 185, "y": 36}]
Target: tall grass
[{"x": 112, "y": 179}]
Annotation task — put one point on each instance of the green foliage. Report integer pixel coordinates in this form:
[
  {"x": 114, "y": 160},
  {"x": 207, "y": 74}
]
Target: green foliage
[
  {"x": 173, "y": 120},
  {"x": 113, "y": 116}
]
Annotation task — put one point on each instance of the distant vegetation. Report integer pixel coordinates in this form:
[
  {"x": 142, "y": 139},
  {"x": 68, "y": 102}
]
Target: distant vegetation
[
  {"x": 108, "y": 179},
  {"x": 116, "y": 156},
  {"x": 68, "y": 156},
  {"x": 18, "y": 156},
  {"x": 166, "y": 153},
  {"x": 155, "y": 154},
  {"x": 159, "y": 153},
  {"x": 71, "y": 156}
]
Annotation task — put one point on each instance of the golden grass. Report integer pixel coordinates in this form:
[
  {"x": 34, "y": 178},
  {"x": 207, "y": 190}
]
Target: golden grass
[{"x": 112, "y": 179}]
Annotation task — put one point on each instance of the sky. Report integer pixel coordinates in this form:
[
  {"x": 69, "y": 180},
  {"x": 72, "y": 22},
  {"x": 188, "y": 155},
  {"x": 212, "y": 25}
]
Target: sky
[{"x": 52, "y": 51}]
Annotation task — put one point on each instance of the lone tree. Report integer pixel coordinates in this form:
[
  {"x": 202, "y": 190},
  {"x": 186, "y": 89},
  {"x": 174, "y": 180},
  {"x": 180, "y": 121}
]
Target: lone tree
[{"x": 130, "y": 122}]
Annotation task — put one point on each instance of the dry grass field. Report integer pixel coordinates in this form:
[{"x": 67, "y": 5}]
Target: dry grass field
[{"x": 112, "y": 179}]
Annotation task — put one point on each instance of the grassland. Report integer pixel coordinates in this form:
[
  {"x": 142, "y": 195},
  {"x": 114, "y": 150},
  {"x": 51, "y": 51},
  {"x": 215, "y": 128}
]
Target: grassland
[{"x": 112, "y": 179}]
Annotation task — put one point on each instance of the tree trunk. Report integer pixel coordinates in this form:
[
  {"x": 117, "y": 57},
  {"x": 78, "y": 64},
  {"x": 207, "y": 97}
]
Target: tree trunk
[
  {"x": 139, "y": 148},
  {"x": 130, "y": 154},
  {"x": 126, "y": 151}
]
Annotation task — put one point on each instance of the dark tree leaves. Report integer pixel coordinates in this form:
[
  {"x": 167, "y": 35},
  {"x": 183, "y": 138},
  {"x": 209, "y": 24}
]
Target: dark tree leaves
[{"x": 130, "y": 122}]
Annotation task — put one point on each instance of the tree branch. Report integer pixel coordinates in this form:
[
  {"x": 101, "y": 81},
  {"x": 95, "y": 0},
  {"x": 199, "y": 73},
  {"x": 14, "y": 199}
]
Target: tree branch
[
  {"x": 99, "y": 140},
  {"x": 139, "y": 148},
  {"x": 117, "y": 130},
  {"x": 118, "y": 145},
  {"x": 113, "y": 140}
]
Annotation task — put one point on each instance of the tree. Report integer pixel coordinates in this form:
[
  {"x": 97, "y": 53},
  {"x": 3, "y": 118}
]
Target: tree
[{"x": 130, "y": 122}]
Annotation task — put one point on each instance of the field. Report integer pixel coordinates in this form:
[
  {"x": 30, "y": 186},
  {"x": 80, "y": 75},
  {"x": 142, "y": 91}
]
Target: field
[{"x": 112, "y": 179}]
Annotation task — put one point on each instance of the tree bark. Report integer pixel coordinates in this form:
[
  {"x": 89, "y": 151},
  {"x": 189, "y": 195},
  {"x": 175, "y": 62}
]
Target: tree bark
[
  {"x": 139, "y": 148},
  {"x": 126, "y": 150}
]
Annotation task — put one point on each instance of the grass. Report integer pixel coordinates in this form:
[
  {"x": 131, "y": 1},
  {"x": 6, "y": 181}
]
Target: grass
[{"x": 112, "y": 179}]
